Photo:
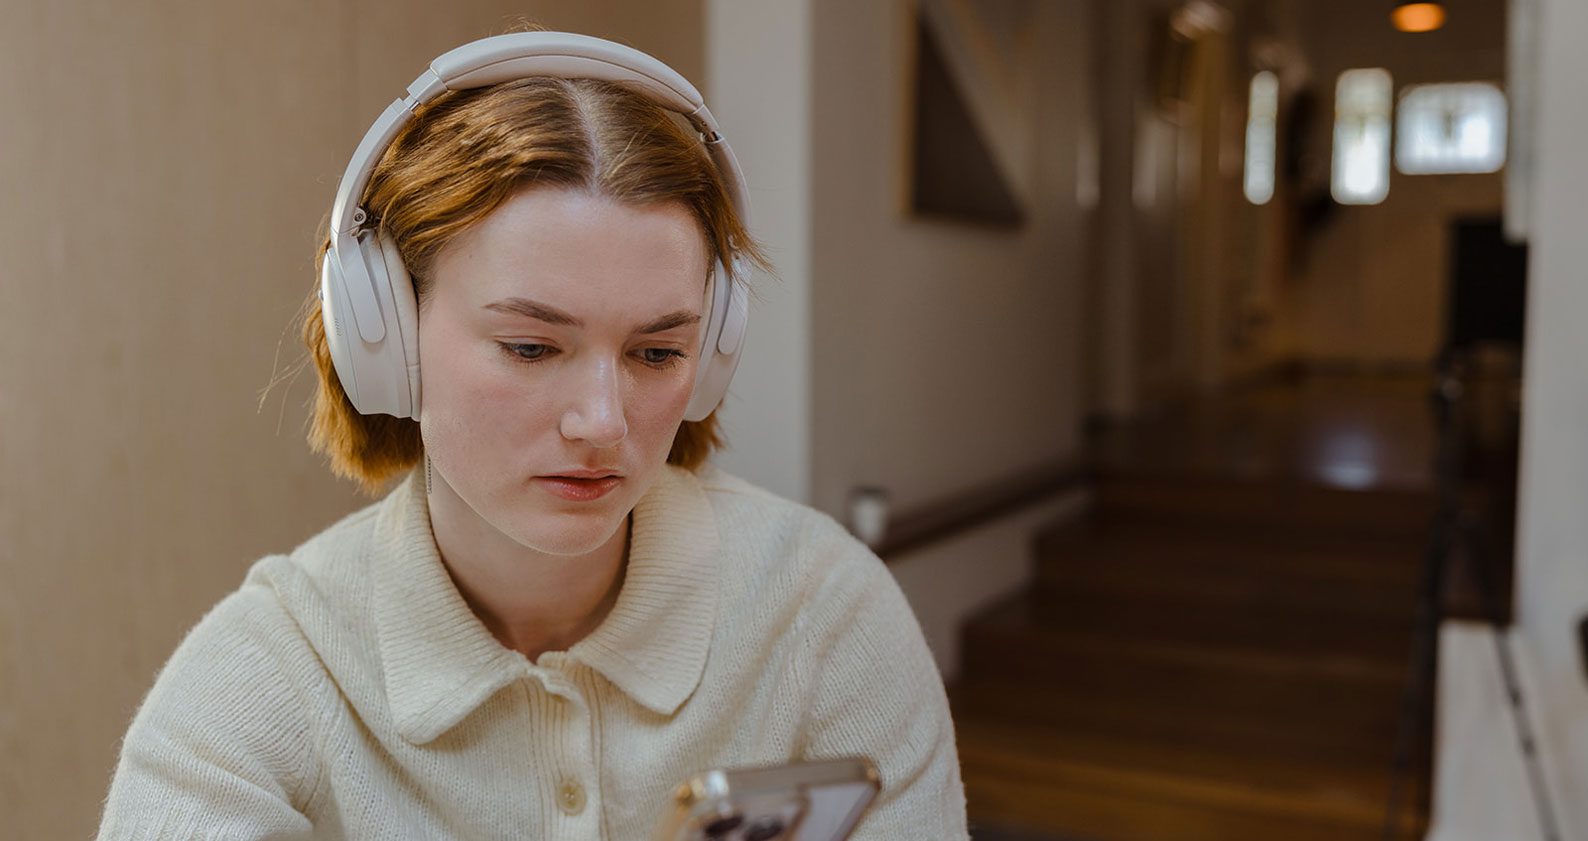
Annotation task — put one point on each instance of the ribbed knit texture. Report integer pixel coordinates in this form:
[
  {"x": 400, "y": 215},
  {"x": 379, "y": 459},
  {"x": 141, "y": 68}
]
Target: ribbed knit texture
[{"x": 347, "y": 691}]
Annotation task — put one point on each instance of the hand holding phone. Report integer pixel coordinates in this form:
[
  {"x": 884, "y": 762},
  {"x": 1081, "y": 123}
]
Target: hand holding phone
[{"x": 805, "y": 801}]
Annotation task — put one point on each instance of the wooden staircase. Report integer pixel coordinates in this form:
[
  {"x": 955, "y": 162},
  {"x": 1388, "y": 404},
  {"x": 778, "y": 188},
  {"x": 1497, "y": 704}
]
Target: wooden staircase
[{"x": 1204, "y": 657}]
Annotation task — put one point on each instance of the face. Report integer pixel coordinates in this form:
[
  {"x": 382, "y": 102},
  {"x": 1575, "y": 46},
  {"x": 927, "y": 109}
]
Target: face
[{"x": 561, "y": 334}]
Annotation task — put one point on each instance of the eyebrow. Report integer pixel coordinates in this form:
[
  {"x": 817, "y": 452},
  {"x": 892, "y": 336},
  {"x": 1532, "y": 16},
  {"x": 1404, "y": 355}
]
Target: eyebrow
[{"x": 552, "y": 315}]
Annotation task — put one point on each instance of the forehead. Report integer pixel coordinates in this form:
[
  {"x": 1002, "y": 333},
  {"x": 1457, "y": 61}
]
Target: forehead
[{"x": 584, "y": 253}]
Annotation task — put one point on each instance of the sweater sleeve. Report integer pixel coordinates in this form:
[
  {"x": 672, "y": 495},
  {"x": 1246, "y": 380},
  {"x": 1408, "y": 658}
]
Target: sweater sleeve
[
  {"x": 221, "y": 747},
  {"x": 876, "y": 692}
]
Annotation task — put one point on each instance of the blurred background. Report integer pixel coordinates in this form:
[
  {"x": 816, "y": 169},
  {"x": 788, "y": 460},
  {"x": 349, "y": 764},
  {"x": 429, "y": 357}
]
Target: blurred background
[{"x": 1207, "y": 371}]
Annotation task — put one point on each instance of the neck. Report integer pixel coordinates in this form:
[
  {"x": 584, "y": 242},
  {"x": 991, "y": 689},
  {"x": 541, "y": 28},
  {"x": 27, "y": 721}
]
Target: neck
[{"x": 531, "y": 601}]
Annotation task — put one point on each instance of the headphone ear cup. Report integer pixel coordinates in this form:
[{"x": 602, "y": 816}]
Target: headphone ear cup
[
  {"x": 380, "y": 378},
  {"x": 406, "y": 308},
  {"x": 728, "y": 314},
  {"x": 333, "y": 309}
]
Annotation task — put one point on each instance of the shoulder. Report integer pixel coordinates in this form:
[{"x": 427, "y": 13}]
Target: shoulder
[
  {"x": 239, "y": 692},
  {"x": 227, "y": 735},
  {"x": 247, "y": 647},
  {"x": 272, "y": 643},
  {"x": 807, "y": 556},
  {"x": 725, "y": 488},
  {"x": 327, "y": 553},
  {"x": 323, "y": 584},
  {"x": 261, "y": 632},
  {"x": 790, "y": 527}
]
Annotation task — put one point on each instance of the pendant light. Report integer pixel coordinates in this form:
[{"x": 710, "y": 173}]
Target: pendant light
[{"x": 1418, "y": 17}]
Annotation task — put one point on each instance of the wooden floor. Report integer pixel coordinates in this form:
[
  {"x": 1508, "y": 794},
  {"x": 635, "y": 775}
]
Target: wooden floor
[{"x": 1218, "y": 651}]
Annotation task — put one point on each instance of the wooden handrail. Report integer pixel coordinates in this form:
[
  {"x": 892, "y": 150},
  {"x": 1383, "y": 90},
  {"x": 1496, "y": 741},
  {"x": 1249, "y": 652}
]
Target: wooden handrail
[{"x": 960, "y": 512}]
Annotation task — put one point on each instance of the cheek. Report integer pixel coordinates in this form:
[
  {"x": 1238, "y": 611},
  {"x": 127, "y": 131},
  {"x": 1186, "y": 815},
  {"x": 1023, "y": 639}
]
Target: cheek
[
  {"x": 664, "y": 403},
  {"x": 467, "y": 387},
  {"x": 655, "y": 408}
]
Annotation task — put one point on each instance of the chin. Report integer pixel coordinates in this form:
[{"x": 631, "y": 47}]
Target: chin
[{"x": 568, "y": 533}]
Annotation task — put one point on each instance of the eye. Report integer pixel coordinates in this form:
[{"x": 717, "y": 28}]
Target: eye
[
  {"x": 656, "y": 357},
  {"x": 661, "y": 357},
  {"x": 525, "y": 352}
]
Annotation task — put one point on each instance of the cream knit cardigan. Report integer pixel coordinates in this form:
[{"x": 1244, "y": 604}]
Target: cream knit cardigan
[{"x": 347, "y": 691}]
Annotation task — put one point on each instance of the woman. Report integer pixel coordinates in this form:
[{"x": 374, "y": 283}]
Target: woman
[{"x": 562, "y": 610}]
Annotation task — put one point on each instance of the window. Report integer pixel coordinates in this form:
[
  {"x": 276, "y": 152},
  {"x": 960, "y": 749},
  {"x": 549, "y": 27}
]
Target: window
[
  {"x": 1361, "y": 136},
  {"x": 1261, "y": 114},
  {"x": 1450, "y": 128}
]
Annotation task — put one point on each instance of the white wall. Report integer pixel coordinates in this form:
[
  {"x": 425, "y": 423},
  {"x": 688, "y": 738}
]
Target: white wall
[
  {"x": 165, "y": 167},
  {"x": 944, "y": 355},
  {"x": 759, "y": 58},
  {"x": 1552, "y": 563}
]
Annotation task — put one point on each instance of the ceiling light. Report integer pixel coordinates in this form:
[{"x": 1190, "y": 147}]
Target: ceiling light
[{"x": 1418, "y": 17}]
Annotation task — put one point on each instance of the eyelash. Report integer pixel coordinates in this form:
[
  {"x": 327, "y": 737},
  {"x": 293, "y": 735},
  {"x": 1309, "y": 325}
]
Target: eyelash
[{"x": 674, "y": 357}]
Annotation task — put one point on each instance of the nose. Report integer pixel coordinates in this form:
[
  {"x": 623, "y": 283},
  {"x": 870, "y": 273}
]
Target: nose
[{"x": 595, "y": 414}]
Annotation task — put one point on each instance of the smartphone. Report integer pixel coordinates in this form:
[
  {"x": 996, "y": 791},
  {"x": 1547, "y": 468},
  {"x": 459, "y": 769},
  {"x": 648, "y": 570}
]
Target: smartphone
[{"x": 804, "y": 801}]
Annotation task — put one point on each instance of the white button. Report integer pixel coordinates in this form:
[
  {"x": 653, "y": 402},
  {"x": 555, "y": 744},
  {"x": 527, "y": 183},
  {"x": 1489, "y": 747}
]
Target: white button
[{"x": 570, "y": 797}]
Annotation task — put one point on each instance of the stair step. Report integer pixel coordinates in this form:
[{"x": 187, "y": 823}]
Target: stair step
[
  {"x": 1265, "y": 637},
  {"x": 1358, "y": 698},
  {"x": 1189, "y": 714},
  {"x": 1390, "y": 557},
  {"x": 1370, "y": 575},
  {"x": 1282, "y": 506},
  {"x": 1111, "y": 789}
]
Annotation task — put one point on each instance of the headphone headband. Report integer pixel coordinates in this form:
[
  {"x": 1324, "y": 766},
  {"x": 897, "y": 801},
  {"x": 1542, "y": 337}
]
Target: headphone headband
[
  {"x": 367, "y": 299},
  {"x": 498, "y": 59}
]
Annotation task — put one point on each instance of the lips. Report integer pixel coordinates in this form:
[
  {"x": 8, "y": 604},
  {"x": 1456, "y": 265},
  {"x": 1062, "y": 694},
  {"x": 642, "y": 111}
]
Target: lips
[
  {"x": 577, "y": 489},
  {"x": 583, "y": 473}
]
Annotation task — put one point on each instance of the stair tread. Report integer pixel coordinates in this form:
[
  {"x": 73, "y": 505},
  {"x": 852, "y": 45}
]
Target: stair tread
[
  {"x": 1342, "y": 790},
  {"x": 1231, "y": 573},
  {"x": 1384, "y": 553},
  {"x": 1277, "y": 631},
  {"x": 1297, "y": 508},
  {"x": 1350, "y": 729},
  {"x": 1077, "y": 784}
]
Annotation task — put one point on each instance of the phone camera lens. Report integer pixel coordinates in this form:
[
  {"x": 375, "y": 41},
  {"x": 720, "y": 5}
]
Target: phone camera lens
[
  {"x": 720, "y": 827},
  {"x": 764, "y": 829}
]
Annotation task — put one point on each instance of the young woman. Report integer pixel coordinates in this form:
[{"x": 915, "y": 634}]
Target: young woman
[{"x": 562, "y": 610}]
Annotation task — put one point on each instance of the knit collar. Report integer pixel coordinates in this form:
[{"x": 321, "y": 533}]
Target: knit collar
[{"x": 442, "y": 663}]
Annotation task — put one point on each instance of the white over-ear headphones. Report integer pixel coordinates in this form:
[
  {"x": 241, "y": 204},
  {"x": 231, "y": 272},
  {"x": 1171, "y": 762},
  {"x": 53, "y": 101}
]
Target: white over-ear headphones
[{"x": 367, "y": 299}]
